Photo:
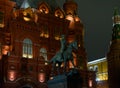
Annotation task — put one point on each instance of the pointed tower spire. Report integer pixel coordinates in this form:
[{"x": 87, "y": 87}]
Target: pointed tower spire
[
  {"x": 116, "y": 11},
  {"x": 116, "y": 25},
  {"x": 116, "y": 16},
  {"x": 25, "y": 4}
]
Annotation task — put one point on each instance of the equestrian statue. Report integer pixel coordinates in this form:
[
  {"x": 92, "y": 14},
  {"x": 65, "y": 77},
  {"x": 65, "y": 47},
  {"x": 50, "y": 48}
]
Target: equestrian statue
[{"x": 64, "y": 55}]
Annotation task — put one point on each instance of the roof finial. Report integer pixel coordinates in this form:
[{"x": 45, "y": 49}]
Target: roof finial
[{"x": 116, "y": 11}]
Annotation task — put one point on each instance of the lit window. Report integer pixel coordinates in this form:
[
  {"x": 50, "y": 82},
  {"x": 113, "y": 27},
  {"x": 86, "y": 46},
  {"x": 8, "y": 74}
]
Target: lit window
[
  {"x": 91, "y": 68},
  {"x": 44, "y": 9},
  {"x": 27, "y": 48},
  {"x": 57, "y": 33},
  {"x": 59, "y": 14},
  {"x": 43, "y": 53},
  {"x": 44, "y": 32},
  {"x": 96, "y": 68}
]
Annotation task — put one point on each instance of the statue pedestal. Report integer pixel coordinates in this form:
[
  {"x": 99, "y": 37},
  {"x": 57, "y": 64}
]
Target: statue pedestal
[{"x": 69, "y": 80}]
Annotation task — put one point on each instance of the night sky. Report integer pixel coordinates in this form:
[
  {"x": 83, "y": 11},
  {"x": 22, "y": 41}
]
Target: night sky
[{"x": 96, "y": 15}]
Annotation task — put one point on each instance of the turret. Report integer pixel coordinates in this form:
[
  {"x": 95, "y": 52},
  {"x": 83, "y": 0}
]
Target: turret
[
  {"x": 113, "y": 57},
  {"x": 70, "y": 8},
  {"x": 116, "y": 25}
]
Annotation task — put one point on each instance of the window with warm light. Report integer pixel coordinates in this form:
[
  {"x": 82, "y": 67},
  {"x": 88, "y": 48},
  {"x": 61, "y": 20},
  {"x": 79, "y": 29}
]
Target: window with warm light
[
  {"x": 27, "y": 48},
  {"x": 59, "y": 14},
  {"x": 57, "y": 33},
  {"x": 44, "y": 8},
  {"x": 44, "y": 32}
]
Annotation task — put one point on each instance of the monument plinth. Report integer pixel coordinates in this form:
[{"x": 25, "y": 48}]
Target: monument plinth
[{"x": 71, "y": 79}]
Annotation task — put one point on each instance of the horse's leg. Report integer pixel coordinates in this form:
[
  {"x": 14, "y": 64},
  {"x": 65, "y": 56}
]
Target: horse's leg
[
  {"x": 53, "y": 68},
  {"x": 72, "y": 63},
  {"x": 65, "y": 63},
  {"x": 58, "y": 68}
]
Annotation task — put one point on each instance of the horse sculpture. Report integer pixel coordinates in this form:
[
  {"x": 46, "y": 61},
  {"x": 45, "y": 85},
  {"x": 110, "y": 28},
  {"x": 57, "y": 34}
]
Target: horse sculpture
[
  {"x": 58, "y": 58},
  {"x": 67, "y": 54},
  {"x": 64, "y": 55}
]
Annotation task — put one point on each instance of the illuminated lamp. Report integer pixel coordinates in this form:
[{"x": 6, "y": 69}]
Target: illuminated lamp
[
  {"x": 41, "y": 77},
  {"x": 77, "y": 19},
  {"x": 57, "y": 38},
  {"x": 25, "y": 13},
  {"x": 71, "y": 19},
  {"x": 26, "y": 18},
  {"x": 46, "y": 35},
  {"x": 12, "y": 75},
  {"x": 41, "y": 10},
  {"x": 90, "y": 83},
  {"x": 42, "y": 34},
  {"x": 2, "y": 25},
  {"x": 78, "y": 45},
  {"x": 59, "y": 14},
  {"x": 5, "y": 50},
  {"x": 44, "y": 10}
]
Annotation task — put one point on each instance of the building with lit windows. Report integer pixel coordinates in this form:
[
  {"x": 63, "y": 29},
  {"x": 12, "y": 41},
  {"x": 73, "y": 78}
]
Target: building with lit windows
[
  {"x": 30, "y": 36},
  {"x": 101, "y": 69}
]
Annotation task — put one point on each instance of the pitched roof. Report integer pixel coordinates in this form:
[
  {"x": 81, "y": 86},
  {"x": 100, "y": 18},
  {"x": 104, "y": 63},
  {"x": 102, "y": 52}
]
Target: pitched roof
[{"x": 25, "y": 4}]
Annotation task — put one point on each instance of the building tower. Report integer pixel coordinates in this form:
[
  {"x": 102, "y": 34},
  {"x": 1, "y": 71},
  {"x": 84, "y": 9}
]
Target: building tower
[
  {"x": 76, "y": 32},
  {"x": 113, "y": 56}
]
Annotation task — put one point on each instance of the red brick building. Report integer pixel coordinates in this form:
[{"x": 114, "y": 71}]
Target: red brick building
[{"x": 31, "y": 36}]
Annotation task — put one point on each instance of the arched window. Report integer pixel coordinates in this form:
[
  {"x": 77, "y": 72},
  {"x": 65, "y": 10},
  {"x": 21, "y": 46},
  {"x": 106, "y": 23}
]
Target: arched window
[
  {"x": 96, "y": 68},
  {"x": 44, "y": 32},
  {"x": 44, "y": 8},
  {"x": 27, "y": 48},
  {"x": 43, "y": 53},
  {"x": 91, "y": 68}
]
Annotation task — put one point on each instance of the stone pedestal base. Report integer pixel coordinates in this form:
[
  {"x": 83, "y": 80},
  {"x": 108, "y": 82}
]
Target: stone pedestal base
[{"x": 69, "y": 80}]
